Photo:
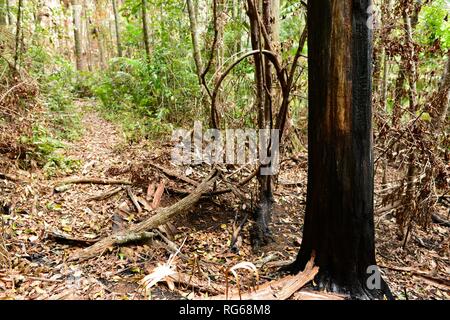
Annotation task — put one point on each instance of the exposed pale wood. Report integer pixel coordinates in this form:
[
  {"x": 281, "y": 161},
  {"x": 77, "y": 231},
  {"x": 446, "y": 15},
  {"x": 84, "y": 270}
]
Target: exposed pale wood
[
  {"x": 157, "y": 195},
  {"x": 134, "y": 200},
  {"x": 150, "y": 191},
  {"x": 145, "y": 203},
  {"x": 313, "y": 295},
  {"x": 133, "y": 237}
]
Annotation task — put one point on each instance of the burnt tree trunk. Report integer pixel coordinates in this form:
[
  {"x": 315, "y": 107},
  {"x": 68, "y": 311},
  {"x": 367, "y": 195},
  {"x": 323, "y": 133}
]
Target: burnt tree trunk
[
  {"x": 339, "y": 225},
  {"x": 263, "y": 81}
]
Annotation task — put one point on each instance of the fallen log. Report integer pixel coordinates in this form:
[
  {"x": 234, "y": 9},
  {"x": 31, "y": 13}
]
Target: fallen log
[
  {"x": 121, "y": 239},
  {"x": 162, "y": 215}
]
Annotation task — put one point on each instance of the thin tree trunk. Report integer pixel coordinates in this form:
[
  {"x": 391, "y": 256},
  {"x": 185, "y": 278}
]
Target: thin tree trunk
[
  {"x": 339, "y": 225},
  {"x": 18, "y": 31},
  {"x": 399, "y": 93},
  {"x": 8, "y": 11},
  {"x": 76, "y": 11},
  {"x": 88, "y": 36},
  {"x": 195, "y": 42},
  {"x": 116, "y": 24},
  {"x": 441, "y": 100},
  {"x": 145, "y": 29},
  {"x": 101, "y": 49},
  {"x": 3, "y": 13},
  {"x": 412, "y": 74},
  {"x": 263, "y": 104}
]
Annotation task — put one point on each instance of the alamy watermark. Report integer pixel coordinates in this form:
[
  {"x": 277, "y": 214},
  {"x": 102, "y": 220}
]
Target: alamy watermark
[
  {"x": 230, "y": 146},
  {"x": 374, "y": 280}
]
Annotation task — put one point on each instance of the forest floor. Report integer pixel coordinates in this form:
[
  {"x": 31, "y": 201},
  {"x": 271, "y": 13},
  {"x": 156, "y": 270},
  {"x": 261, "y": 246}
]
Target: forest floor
[{"x": 44, "y": 226}]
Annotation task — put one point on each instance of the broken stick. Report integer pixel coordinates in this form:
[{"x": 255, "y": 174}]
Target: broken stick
[
  {"x": 105, "y": 195},
  {"x": 91, "y": 181},
  {"x": 175, "y": 175},
  {"x": 134, "y": 200}
]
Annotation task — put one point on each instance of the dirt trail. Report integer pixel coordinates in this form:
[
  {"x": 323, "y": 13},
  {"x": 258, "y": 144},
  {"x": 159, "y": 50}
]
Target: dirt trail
[{"x": 99, "y": 145}]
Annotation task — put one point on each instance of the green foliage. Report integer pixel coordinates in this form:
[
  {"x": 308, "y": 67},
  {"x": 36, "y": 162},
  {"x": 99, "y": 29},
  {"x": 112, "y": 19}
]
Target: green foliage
[
  {"x": 435, "y": 23},
  {"x": 61, "y": 121},
  {"x": 46, "y": 151},
  {"x": 147, "y": 98}
]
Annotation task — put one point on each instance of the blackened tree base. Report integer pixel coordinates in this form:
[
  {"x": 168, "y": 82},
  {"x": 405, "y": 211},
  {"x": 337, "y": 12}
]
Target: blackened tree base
[
  {"x": 260, "y": 233},
  {"x": 350, "y": 284}
]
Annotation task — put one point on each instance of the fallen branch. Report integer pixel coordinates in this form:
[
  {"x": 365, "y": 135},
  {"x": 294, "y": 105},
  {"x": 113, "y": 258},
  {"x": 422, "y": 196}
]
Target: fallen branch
[
  {"x": 194, "y": 282},
  {"x": 106, "y": 195},
  {"x": 421, "y": 274},
  {"x": 10, "y": 177},
  {"x": 145, "y": 203},
  {"x": 312, "y": 295},
  {"x": 91, "y": 181},
  {"x": 438, "y": 220},
  {"x": 134, "y": 200},
  {"x": 174, "y": 174},
  {"x": 235, "y": 244},
  {"x": 162, "y": 215},
  {"x": 280, "y": 289},
  {"x": 217, "y": 192},
  {"x": 60, "y": 236}
]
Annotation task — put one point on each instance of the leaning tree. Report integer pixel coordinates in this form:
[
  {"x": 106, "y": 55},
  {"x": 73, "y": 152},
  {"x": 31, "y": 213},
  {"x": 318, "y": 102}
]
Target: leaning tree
[{"x": 339, "y": 226}]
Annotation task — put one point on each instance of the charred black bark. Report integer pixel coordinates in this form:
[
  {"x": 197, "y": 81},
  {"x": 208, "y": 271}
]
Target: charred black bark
[
  {"x": 260, "y": 234},
  {"x": 339, "y": 223}
]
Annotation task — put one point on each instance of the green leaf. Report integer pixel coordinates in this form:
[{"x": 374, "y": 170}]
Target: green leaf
[{"x": 425, "y": 117}]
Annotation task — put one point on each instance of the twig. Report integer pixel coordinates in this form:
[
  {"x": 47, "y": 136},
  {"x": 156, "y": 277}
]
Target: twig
[
  {"x": 420, "y": 274},
  {"x": 134, "y": 199},
  {"x": 174, "y": 174},
  {"x": 91, "y": 181},
  {"x": 106, "y": 195},
  {"x": 10, "y": 177}
]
